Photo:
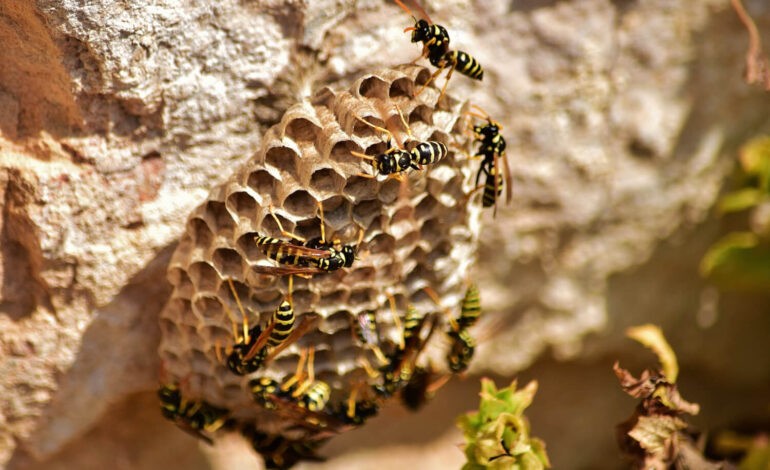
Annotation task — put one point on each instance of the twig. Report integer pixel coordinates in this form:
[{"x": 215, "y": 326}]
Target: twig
[{"x": 757, "y": 65}]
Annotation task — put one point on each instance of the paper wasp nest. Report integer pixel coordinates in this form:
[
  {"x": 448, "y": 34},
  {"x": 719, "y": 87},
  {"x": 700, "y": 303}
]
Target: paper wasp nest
[{"x": 421, "y": 233}]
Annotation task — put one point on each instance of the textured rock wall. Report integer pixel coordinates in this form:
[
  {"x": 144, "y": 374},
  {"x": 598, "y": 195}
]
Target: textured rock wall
[{"x": 118, "y": 118}]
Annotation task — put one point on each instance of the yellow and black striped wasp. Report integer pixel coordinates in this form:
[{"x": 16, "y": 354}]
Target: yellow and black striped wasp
[
  {"x": 354, "y": 412},
  {"x": 256, "y": 345},
  {"x": 491, "y": 151},
  {"x": 197, "y": 418},
  {"x": 422, "y": 386},
  {"x": 435, "y": 41},
  {"x": 462, "y": 345},
  {"x": 305, "y": 257},
  {"x": 401, "y": 364},
  {"x": 396, "y": 159},
  {"x": 299, "y": 391},
  {"x": 279, "y": 452}
]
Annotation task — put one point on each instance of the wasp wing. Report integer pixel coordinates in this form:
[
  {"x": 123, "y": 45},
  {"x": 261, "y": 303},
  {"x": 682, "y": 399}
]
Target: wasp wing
[
  {"x": 308, "y": 322},
  {"x": 287, "y": 270}
]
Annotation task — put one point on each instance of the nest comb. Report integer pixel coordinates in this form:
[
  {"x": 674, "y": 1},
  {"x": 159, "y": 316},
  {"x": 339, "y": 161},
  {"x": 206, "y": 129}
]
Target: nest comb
[{"x": 423, "y": 233}]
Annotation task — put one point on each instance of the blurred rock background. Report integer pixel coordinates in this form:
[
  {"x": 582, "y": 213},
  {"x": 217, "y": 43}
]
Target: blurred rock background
[{"x": 623, "y": 119}]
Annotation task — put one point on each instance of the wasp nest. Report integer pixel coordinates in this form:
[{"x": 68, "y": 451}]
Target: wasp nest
[{"x": 416, "y": 233}]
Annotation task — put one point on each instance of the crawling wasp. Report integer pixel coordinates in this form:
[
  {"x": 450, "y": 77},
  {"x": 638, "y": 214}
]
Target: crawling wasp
[
  {"x": 396, "y": 159},
  {"x": 305, "y": 257},
  {"x": 355, "y": 412},
  {"x": 435, "y": 41},
  {"x": 491, "y": 152},
  {"x": 462, "y": 345},
  {"x": 256, "y": 345},
  {"x": 280, "y": 452},
  {"x": 421, "y": 387},
  {"x": 401, "y": 365},
  {"x": 461, "y": 350},
  {"x": 197, "y": 418},
  {"x": 300, "y": 391}
]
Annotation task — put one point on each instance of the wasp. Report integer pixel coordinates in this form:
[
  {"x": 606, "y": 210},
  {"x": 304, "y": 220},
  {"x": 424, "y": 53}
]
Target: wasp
[
  {"x": 462, "y": 345},
  {"x": 396, "y": 159},
  {"x": 354, "y": 412},
  {"x": 421, "y": 387},
  {"x": 304, "y": 392},
  {"x": 461, "y": 350},
  {"x": 197, "y": 418},
  {"x": 401, "y": 362},
  {"x": 279, "y": 452},
  {"x": 255, "y": 345},
  {"x": 305, "y": 257},
  {"x": 491, "y": 152},
  {"x": 435, "y": 39}
]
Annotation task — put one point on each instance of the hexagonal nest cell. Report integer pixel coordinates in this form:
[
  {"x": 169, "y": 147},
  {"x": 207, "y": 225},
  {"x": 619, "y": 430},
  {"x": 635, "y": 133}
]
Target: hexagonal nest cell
[{"x": 306, "y": 161}]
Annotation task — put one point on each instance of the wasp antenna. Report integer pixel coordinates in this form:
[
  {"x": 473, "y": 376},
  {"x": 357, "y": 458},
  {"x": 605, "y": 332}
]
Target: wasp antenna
[
  {"x": 481, "y": 110},
  {"x": 404, "y": 7},
  {"x": 419, "y": 8},
  {"x": 480, "y": 116}
]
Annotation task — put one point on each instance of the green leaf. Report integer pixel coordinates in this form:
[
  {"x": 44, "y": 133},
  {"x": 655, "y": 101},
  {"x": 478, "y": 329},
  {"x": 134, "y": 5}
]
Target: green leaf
[
  {"x": 757, "y": 459},
  {"x": 755, "y": 160},
  {"x": 738, "y": 262},
  {"x": 497, "y": 436},
  {"x": 740, "y": 200}
]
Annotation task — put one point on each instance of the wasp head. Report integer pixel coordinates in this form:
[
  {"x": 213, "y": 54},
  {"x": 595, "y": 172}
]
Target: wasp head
[{"x": 421, "y": 31}]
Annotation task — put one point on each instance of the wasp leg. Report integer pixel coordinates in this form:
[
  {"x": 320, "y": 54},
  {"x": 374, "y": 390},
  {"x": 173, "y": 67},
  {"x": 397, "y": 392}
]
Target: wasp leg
[
  {"x": 377, "y": 128},
  {"x": 302, "y": 388},
  {"x": 448, "y": 76},
  {"x": 403, "y": 121},
  {"x": 298, "y": 374},
  {"x": 432, "y": 77},
  {"x": 437, "y": 300},
  {"x": 285, "y": 233}
]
